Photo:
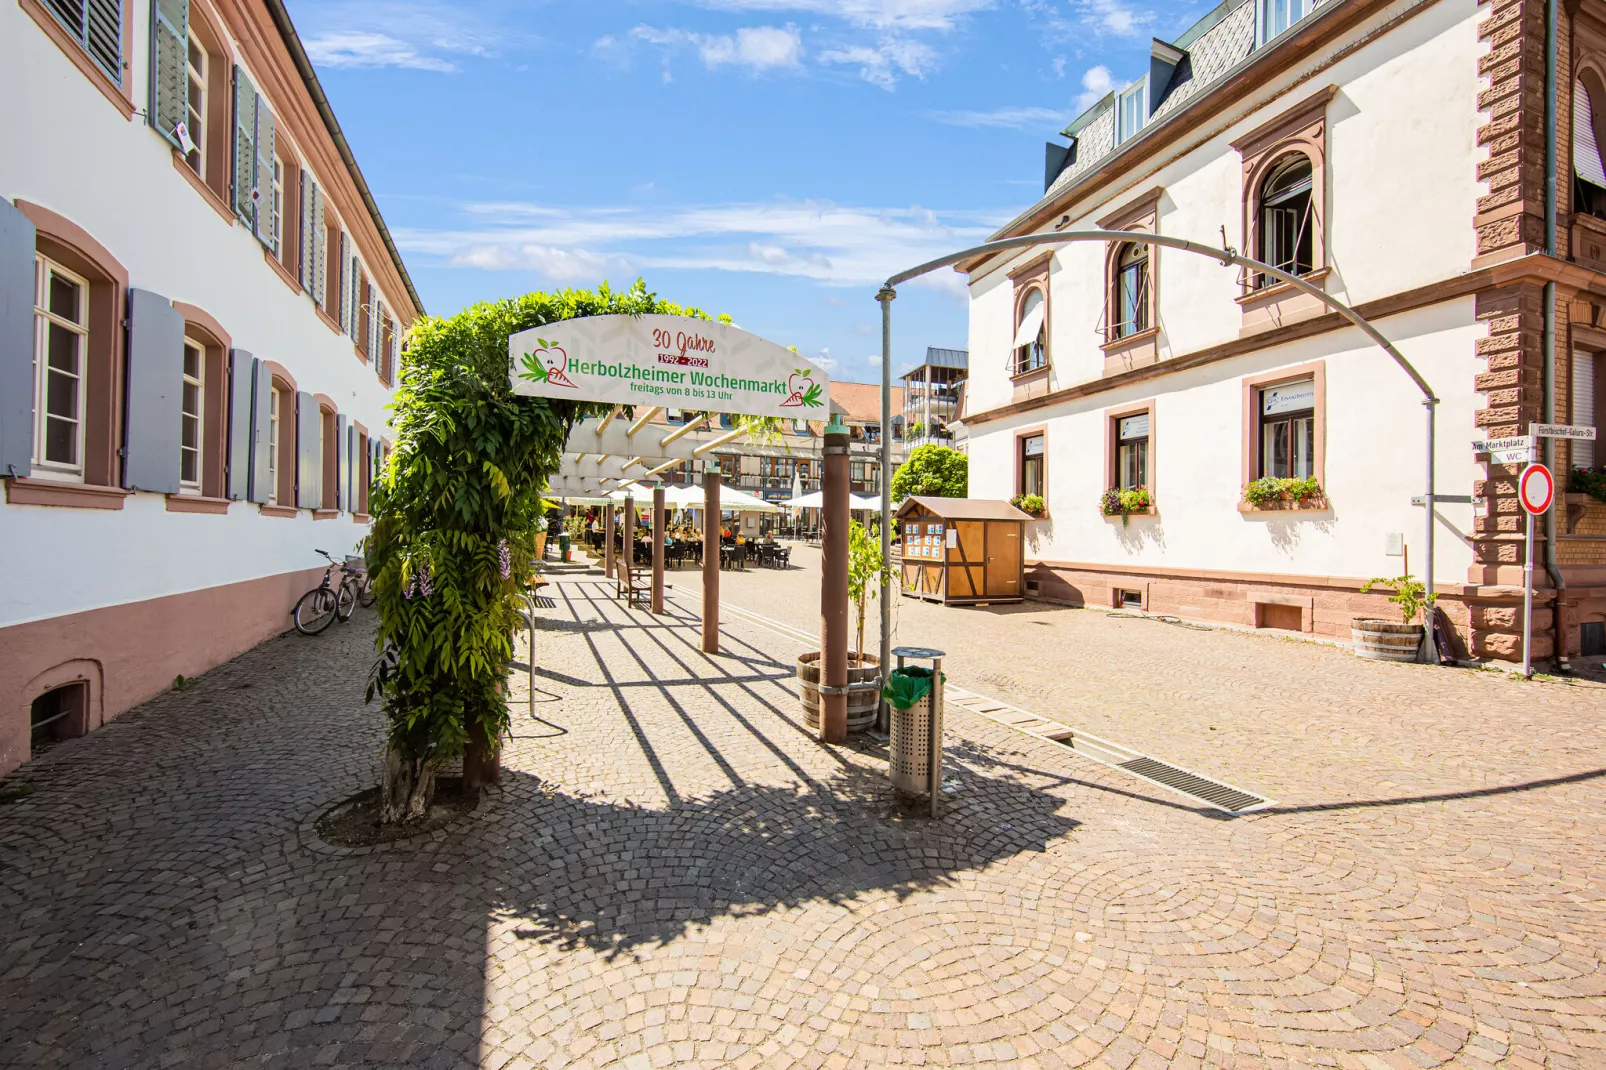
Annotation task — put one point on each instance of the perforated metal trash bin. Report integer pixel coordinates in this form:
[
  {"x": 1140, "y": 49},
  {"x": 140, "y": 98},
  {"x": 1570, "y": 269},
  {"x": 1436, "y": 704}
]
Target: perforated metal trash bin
[{"x": 909, "y": 750}]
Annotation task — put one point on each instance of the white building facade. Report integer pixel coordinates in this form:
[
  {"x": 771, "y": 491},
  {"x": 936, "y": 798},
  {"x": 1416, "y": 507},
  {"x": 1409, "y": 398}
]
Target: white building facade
[
  {"x": 200, "y": 322},
  {"x": 1390, "y": 153}
]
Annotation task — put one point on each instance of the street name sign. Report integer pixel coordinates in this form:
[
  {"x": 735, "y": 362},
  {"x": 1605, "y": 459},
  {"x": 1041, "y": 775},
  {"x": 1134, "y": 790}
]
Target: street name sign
[
  {"x": 1516, "y": 449},
  {"x": 671, "y": 361},
  {"x": 1563, "y": 431}
]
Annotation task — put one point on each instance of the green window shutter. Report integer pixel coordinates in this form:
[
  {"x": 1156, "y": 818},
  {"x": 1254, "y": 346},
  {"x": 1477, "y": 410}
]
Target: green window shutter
[
  {"x": 97, "y": 25},
  {"x": 170, "y": 80},
  {"x": 105, "y": 37},
  {"x": 155, "y": 375},
  {"x": 242, "y": 388},
  {"x": 354, "y": 288},
  {"x": 340, "y": 286},
  {"x": 245, "y": 150},
  {"x": 308, "y": 187},
  {"x": 309, "y": 452},
  {"x": 340, "y": 494},
  {"x": 17, "y": 242},
  {"x": 320, "y": 251},
  {"x": 376, "y": 333},
  {"x": 264, "y": 171}
]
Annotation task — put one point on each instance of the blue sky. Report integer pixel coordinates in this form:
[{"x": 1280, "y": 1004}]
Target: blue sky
[{"x": 773, "y": 159}]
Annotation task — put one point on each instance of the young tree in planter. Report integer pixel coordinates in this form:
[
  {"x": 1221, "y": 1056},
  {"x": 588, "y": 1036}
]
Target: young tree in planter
[
  {"x": 455, "y": 518},
  {"x": 932, "y": 472},
  {"x": 865, "y": 564}
]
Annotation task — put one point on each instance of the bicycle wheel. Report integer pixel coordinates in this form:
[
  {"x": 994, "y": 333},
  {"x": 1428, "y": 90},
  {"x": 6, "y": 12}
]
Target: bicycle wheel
[
  {"x": 366, "y": 596},
  {"x": 315, "y": 611},
  {"x": 347, "y": 602}
]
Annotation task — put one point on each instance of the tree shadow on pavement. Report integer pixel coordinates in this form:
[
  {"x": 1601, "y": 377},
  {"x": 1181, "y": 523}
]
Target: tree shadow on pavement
[{"x": 614, "y": 876}]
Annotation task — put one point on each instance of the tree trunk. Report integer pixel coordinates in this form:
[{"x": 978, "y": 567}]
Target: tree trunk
[
  {"x": 482, "y": 764},
  {"x": 408, "y": 788},
  {"x": 862, "y": 604}
]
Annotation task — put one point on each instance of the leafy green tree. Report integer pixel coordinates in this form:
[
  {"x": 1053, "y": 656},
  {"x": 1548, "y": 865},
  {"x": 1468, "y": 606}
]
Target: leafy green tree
[
  {"x": 932, "y": 472},
  {"x": 455, "y": 513},
  {"x": 865, "y": 563}
]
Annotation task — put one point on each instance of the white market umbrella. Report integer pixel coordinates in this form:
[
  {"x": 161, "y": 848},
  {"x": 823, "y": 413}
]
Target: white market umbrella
[
  {"x": 812, "y": 500},
  {"x": 864, "y": 501},
  {"x": 797, "y": 483},
  {"x": 733, "y": 500}
]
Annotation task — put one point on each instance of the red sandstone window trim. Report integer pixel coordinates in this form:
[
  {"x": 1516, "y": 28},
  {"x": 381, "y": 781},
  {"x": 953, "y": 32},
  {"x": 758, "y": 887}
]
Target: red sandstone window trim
[{"x": 1249, "y": 467}]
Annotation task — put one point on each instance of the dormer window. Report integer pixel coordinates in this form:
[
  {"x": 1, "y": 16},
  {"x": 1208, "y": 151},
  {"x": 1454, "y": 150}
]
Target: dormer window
[
  {"x": 1275, "y": 16},
  {"x": 1131, "y": 110}
]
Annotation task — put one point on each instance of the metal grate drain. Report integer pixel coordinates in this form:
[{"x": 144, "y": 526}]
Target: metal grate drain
[{"x": 1215, "y": 794}]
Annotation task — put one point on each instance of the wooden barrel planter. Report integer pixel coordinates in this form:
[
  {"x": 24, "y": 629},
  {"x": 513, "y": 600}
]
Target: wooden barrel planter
[
  {"x": 1385, "y": 640},
  {"x": 862, "y": 702}
]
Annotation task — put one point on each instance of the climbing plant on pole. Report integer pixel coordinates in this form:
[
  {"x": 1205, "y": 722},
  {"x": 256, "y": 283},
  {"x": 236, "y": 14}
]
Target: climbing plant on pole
[{"x": 454, "y": 520}]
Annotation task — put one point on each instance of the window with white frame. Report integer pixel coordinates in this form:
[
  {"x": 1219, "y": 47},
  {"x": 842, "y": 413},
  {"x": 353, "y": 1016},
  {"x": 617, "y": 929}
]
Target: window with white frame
[
  {"x": 1275, "y": 16},
  {"x": 1132, "y": 452},
  {"x": 1287, "y": 230},
  {"x": 191, "y": 403},
  {"x": 1288, "y": 430},
  {"x": 1031, "y": 333},
  {"x": 276, "y": 236},
  {"x": 1131, "y": 291},
  {"x": 273, "y": 446},
  {"x": 1131, "y": 110},
  {"x": 61, "y": 336},
  {"x": 195, "y": 117}
]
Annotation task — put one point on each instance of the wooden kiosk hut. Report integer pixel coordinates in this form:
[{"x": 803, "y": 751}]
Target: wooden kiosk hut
[{"x": 961, "y": 551}]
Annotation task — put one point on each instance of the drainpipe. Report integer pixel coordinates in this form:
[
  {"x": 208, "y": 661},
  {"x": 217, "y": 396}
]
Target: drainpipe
[{"x": 1548, "y": 380}]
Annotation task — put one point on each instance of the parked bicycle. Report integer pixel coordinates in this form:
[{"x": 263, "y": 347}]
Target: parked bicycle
[{"x": 320, "y": 607}]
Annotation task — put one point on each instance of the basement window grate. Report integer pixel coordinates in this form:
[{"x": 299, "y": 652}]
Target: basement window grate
[{"x": 1219, "y": 795}]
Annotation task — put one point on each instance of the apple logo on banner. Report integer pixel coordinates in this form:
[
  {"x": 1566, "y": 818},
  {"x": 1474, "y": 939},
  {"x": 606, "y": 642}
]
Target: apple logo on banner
[{"x": 549, "y": 364}]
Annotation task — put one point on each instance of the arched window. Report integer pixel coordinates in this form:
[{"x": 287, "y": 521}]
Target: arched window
[
  {"x": 1589, "y": 175},
  {"x": 1031, "y": 332},
  {"x": 1287, "y": 230},
  {"x": 1131, "y": 291}
]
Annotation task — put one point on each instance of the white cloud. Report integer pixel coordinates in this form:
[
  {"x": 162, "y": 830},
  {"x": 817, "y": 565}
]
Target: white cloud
[
  {"x": 354, "y": 49},
  {"x": 831, "y": 243},
  {"x": 1115, "y": 17},
  {"x": 881, "y": 64},
  {"x": 878, "y": 14},
  {"x": 1095, "y": 83},
  {"x": 1005, "y": 118},
  {"x": 415, "y": 34},
  {"x": 757, "y": 48}
]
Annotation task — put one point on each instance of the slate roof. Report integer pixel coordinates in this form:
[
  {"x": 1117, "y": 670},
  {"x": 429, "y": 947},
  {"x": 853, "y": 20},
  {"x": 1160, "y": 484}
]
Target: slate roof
[{"x": 1216, "y": 45}]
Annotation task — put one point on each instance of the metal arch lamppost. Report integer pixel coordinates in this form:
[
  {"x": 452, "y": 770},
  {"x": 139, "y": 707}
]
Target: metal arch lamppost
[{"x": 1228, "y": 258}]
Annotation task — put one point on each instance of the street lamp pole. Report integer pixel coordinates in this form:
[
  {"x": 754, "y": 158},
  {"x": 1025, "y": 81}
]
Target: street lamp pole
[
  {"x": 1228, "y": 258},
  {"x": 885, "y": 297}
]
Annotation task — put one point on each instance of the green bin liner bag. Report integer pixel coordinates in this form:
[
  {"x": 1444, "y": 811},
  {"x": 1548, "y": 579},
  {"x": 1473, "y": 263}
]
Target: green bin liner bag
[{"x": 907, "y": 686}]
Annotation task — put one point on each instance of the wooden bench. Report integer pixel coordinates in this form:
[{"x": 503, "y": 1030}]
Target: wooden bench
[{"x": 633, "y": 583}]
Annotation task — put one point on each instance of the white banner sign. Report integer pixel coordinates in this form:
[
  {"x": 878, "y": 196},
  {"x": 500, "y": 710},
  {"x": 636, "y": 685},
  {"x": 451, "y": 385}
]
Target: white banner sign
[
  {"x": 1563, "y": 431},
  {"x": 1290, "y": 397},
  {"x": 671, "y": 361}
]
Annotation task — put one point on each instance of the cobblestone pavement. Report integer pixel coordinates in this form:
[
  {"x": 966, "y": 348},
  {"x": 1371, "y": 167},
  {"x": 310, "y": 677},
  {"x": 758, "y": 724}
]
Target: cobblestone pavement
[{"x": 674, "y": 873}]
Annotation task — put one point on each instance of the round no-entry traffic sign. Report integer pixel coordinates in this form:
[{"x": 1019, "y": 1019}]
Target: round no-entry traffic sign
[{"x": 1536, "y": 487}]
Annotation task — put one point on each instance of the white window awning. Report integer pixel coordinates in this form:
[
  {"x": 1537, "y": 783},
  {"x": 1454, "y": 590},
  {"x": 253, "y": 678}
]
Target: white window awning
[
  {"x": 1586, "y": 151},
  {"x": 1030, "y": 325}
]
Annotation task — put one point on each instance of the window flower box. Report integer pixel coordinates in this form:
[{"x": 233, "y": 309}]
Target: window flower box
[
  {"x": 1271, "y": 493},
  {"x": 1030, "y": 504},
  {"x": 1136, "y": 501}
]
